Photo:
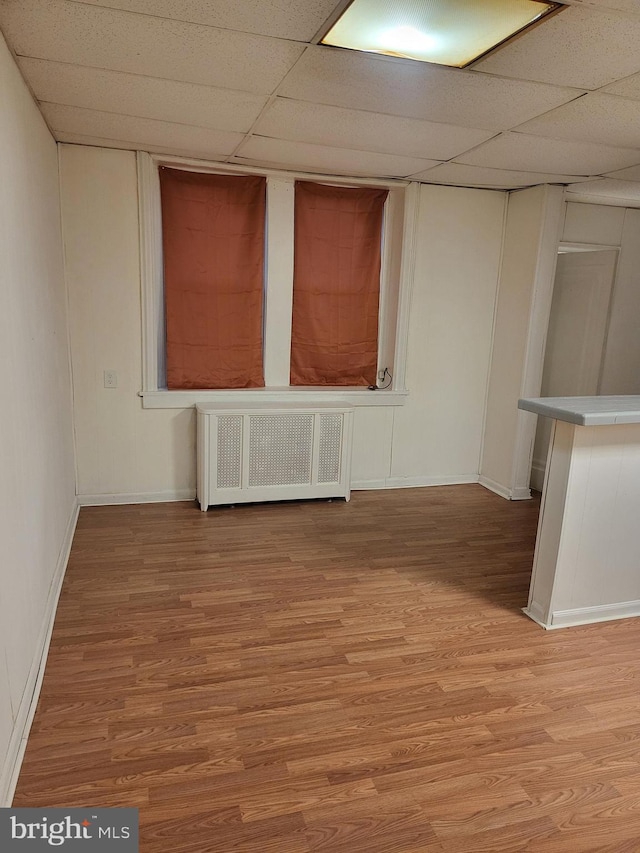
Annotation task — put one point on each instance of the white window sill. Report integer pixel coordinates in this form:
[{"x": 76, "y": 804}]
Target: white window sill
[{"x": 346, "y": 396}]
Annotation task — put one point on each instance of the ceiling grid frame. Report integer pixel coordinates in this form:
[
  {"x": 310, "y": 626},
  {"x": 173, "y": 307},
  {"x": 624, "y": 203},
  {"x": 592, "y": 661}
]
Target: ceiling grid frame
[{"x": 255, "y": 88}]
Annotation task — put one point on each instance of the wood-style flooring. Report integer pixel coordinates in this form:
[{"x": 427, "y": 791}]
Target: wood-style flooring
[{"x": 333, "y": 677}]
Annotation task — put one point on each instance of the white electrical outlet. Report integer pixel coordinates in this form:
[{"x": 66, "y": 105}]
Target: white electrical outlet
[
  {"x": 110, "y": 379},
  {"x": 382, "y": 373}
]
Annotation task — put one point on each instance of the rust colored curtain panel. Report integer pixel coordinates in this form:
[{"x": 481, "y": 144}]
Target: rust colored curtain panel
[
  {"x": 213, "y": 242},
  {"x": 334, "y": 333}
]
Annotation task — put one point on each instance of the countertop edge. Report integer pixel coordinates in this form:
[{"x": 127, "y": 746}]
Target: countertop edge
[{"x": 558, "y": 411}]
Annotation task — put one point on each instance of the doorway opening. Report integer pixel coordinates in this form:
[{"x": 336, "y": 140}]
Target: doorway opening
[{"x": 577, "y": 335}]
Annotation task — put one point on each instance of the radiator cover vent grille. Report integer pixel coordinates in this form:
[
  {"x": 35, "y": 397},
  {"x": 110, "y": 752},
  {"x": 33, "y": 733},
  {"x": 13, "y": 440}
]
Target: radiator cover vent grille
[
  {"x": 330, "y": 439},
  {"x": 280, "y": 450},
  {"x": 229, "y": 452}
]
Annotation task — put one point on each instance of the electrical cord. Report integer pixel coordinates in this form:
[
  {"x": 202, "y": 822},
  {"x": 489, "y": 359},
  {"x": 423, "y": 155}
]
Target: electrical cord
[{"x": 385, "y": 373}]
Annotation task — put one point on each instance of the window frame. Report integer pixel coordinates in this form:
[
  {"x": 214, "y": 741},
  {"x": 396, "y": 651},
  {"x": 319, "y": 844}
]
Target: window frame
[{"x": 396, "y": 279}]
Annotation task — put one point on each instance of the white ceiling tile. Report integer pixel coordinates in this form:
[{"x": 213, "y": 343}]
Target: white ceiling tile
[
  {"x": 324, "y": 125},
  {"x": 414, "y": 89},
  {"x": 619, "y": 5},
  {"x": 138, "y": 131},
  {"x": 477, "y": 176},
  {"x": 147, "y": 97},
  {"x": 300, "y": 156},
  {"x": 631, "y": 174},
  {"x": 629, "y": 87},
  {"x": 100, "y": 142},
  {"x": 104, "y": 38},
  {"x": 520, "y": 151},
  {"x": 598, "y": 118},
  {"x": 288, "y": 19},
  {"x": 573, "y": 48},
  {"x": 608, "y": 189}
]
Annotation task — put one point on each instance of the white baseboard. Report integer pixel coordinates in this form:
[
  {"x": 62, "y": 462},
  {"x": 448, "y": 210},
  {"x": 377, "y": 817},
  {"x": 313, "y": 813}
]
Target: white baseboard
[
  {"x": 27, "y": 708},
  {"x": 490, "y": 484},
  {"x": 519, "y": 494},
  {"x": 363, "y": 485},
  {"x": 583, "y": 615},
  {"x": 538, "y": 469},
  {"x": 190, "y": 495},
  {"x": 414, "y": 482},
  {"x": 137, "y": 498},
  {"x": 599, "y": 613},
  {"x": 522, "y": 493},
  {"x": 535, "y": 612}
]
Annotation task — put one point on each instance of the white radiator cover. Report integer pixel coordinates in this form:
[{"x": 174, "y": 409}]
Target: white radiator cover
[{"x": 272, "y": 452}]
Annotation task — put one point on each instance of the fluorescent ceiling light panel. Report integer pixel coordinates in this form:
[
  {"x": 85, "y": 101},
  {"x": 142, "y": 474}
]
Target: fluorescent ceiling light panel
[{"x": 447, "y": 32}]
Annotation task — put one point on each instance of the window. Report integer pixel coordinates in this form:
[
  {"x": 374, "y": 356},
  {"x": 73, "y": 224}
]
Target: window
[
  {"x": 398, "y": 212},
  {"x": 213, "y": 261},
  {"x": 336, "y": 284}
]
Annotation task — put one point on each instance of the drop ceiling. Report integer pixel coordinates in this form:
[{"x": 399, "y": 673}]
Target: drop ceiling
[{"x": 247, "y": 83}]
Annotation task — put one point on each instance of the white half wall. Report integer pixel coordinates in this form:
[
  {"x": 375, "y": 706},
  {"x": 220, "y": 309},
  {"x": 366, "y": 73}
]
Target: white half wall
[
  {"x": 128, "y": 453},
  {"x": 586, "y": 562},
  {"x": 37, "y": 486}
]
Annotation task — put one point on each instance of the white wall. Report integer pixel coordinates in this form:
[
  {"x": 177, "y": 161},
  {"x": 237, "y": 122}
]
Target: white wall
[
  {"x": 123, "y": 451},
  {"x": 621, "y": 366},
  {"x": 126, "y": 452},
  {"x": 596, "y": 224},
  {"x": 576, "y": 336},
  {"x": 602, "y": 225},
  {"x": 437, "y": 435},
  {"x": 37, "y": 484},
  {"x": 522, "y": 316},
  {"x": 615, "y": 226}
]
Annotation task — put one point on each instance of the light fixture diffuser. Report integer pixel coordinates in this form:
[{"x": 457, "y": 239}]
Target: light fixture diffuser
[{"x": 447, "y": 32}]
